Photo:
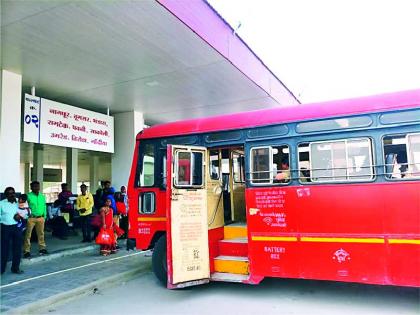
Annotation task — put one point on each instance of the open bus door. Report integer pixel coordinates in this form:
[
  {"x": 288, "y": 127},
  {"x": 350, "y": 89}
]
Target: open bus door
[{"x": 187, "y": 227}]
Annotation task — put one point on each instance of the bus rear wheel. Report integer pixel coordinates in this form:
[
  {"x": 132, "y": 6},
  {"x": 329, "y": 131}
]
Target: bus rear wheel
[{"x": 159, "y": 263}]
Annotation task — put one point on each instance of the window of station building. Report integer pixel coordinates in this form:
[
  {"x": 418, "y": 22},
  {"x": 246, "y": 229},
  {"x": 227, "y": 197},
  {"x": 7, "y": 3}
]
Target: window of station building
[
  {"x": 334, "y": 124},
  {"x": 238, "y": 161},
  {"x": 146, "y": 166},
  {"x": 270, "y": 165},
  {"x": 335, "y": 161},
  {"x": 402, "y": 156},
  {"x": 189, "y": 168},
  {"x": 214, "y": 165}
]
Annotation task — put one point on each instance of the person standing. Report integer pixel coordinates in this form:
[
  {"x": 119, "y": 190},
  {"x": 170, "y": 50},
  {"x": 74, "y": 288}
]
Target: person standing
[
  {"x": 37, "y": 204},
  {"x": 109, "y": 193},
  {"x": 107, "y": 223},
  {"x": 66, "y": 206},
  {"x": 84, "y": 205},
  {"x": 124, "y": 215},
  {"x": 10, "y": 232}
]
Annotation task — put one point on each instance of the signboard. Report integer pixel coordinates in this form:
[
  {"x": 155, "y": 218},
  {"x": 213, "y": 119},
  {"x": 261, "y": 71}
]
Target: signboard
[
  {"x": 52, "y": 175},
  {"x": 54, "y": 123},
  {"x": 189, "y": 232}
]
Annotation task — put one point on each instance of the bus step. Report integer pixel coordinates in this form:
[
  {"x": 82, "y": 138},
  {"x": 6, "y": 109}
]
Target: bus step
[
  {"x": 231, "y": 264},
  {"x": 235, "y": 231},
  {"x": 234, "y": 247},
  {"x": 228, "y": 277}
]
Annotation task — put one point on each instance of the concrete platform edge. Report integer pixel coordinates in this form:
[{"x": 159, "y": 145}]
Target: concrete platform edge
[
  {"x": 67, "y": 296},
  {"x": 66, "y": 252}
]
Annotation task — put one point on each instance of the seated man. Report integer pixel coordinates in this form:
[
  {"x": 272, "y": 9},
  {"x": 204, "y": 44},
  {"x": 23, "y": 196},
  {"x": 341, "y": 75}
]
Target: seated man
[{"x": 283, "y": 176}]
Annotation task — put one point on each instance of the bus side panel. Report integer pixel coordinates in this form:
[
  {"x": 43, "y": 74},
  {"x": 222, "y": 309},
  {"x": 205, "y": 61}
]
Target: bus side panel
[
  {"x": 402, "y": 224},
  {"x": 147, "y": 225},
  {"x": 335, "y": 232},
  {"x": 342, "y": 233},
  {"x": 272, "y": 232}
]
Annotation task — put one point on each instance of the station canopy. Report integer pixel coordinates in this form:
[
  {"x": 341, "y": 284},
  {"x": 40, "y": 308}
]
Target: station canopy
[{"x": 171, "y": 60}]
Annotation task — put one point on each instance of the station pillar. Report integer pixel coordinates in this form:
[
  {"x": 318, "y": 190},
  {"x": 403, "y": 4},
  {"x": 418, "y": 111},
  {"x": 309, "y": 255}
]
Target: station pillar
[
  {"x": 126, "y": 125},
  {"x": 93, "y": 173},
  {"x": 71, "y": 169},
  {"x": 38, "y": 169},
  {"x": 10, "y": 124}
]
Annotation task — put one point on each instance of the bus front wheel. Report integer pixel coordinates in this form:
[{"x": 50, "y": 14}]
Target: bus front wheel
[{"x": 159, "y": 263}]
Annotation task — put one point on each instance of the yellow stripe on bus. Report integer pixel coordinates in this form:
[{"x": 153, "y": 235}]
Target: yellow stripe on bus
[
  {"x": 403, "y": 241},
  {"x": 342, "y": 240},
  {"x": 275, "y": 238},
  {"x": 148, "y": 219}
]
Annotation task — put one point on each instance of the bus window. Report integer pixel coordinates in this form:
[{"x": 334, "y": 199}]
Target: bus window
[
  {"x": 304, "y": 166},
  {"x": 214, "y": 165},
  {"x": 341, "y": 160},
  {"x": 395, "y": 156},
  {"x": 413, "y": 143},
  {"x": 260, "y": 165},
  {"x": 164, "y": 170},
  {"x": 281, "y": 164},
  {"x": 147, "y": 203},
  {"x": 238, "y": 167},
  {"x": 146, "y": 172},
  {"x": 402, "y": 156},
  {"x": 189, "y": 168},
  {"x": 270, "y": 165}
]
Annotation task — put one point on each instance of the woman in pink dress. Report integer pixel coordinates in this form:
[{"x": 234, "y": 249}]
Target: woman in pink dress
[{"x": 107, "y": 223}]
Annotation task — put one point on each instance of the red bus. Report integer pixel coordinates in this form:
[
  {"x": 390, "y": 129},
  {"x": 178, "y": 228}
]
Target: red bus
[{"x": 327, "y": 191}]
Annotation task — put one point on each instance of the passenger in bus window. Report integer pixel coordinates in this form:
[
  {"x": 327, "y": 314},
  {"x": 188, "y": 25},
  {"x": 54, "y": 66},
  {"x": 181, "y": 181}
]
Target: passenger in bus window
[{"x": 283, "y": 175}]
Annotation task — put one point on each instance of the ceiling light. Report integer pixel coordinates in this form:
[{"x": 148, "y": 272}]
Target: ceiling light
[{"x": 152, "y": 83}]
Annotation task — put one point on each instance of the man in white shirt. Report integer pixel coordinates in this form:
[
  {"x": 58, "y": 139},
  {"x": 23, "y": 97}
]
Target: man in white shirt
[{"x": 9, "y": 231}]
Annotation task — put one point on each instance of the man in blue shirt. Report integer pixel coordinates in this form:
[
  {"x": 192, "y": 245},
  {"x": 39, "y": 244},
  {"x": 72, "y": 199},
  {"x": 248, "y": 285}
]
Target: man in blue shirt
[{"x": 9, "y": 231}]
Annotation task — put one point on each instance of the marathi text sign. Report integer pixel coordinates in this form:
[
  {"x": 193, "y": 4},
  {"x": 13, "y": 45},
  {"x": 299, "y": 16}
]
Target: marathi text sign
[
  {"x": 189, "y": 233},
  {"x": 54, "y": 123}
]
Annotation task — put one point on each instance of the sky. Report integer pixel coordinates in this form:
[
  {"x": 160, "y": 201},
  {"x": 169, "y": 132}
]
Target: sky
[{"x": 332, "y": 49}]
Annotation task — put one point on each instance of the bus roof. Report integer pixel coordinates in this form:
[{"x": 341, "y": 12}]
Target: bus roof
[{"x": 285, "y": 114}]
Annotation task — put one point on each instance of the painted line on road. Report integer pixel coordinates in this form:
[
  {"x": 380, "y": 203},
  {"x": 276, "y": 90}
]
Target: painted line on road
[{"x": 70, "y": 269}]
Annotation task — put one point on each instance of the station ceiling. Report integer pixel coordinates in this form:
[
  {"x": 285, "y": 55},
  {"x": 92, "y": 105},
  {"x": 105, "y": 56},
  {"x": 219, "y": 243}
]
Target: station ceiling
[{"x": 124, "y": 55}]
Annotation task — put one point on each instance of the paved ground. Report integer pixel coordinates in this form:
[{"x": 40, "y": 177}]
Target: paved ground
[
  {"x": 144, "y": 295},
  {"x": 44, "y": 279}
]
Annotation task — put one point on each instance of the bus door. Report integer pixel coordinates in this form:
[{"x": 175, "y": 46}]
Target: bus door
[
  {"x": 237, "y": 185},
  {"x": 215, "y": 189},
  {"x": 187, "y": 224}
]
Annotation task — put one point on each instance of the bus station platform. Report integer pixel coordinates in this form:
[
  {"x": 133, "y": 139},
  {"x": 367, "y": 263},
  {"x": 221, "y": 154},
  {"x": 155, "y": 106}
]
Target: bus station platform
[{"x": 65, "y": 275}]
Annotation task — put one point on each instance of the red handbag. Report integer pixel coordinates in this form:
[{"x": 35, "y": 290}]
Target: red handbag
[{"x": 105, "y": 237}]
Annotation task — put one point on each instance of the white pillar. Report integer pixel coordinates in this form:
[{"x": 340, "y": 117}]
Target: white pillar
[
  {"x": 10, "y": 122},
  {"x": 93, "y": 173},
  {"x": 126, "y": 127},
  {"x": 71, "y": 169},
  {"x": 38, "y": 157}
]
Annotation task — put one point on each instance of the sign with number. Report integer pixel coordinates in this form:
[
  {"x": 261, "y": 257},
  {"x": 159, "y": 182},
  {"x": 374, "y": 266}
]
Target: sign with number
[{"x": 54, "y": 123}]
